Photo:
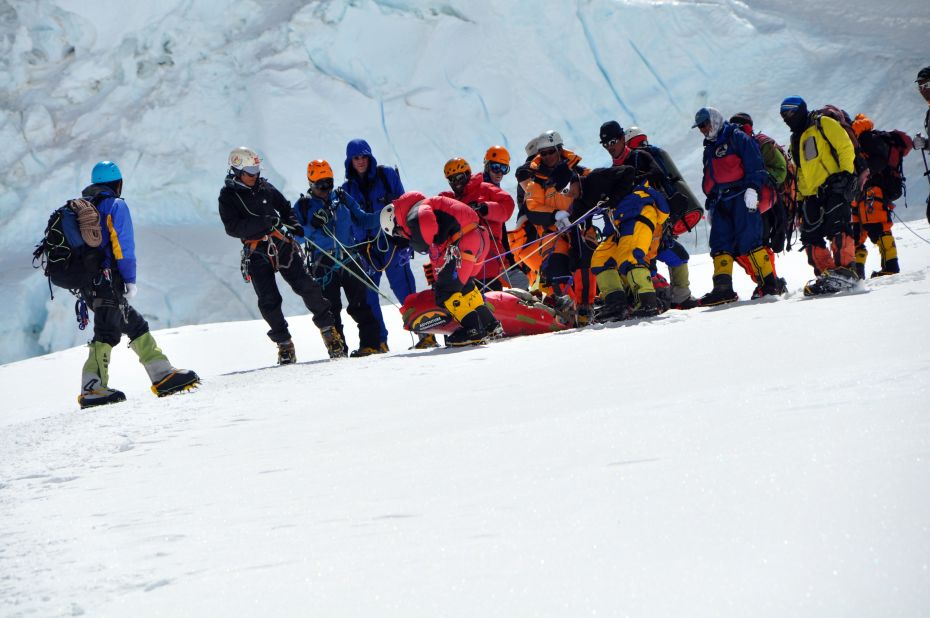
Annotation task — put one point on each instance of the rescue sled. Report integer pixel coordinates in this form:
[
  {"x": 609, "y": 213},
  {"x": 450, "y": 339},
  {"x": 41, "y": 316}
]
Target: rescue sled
[{"x": 518, "y": 311}]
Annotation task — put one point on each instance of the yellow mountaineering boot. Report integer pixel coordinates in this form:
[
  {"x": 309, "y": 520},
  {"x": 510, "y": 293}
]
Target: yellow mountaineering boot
[
  {"x": 769, "y": 284},
  {"x": 335, "y": 346},
  {"x": 889, "y": 253},
  {"x": 723, "y": 282}
]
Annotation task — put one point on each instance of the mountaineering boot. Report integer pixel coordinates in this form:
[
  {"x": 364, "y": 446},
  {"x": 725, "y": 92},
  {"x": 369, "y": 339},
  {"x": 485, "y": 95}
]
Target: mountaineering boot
[
  {"x": 772, "y": 286},
  {"x": 615, "y": 308},
  {"x": 287, "y": 355},
  {"x": 584, "y": 315},
  {"x": 427, "y": 340},
  {"x": 366, "y": 350},
  {"x": 383, "y": 346},
  {"x": 469, "y": 333},
  {"x": 862, "y": 255},
  {"x": 889, "y": 253},
  {"x": 645, "y": 302},
  {"x": 335, "y": 346},
  {"x": 680, "y": 296},
  {"x": 166, "y": 380},
  {"x": 94, "y": 375},
  {"x": 831, "y": 281},
  {"x": 489, "y": 324},
  {"x": 721, "y": 294},
  {"x": 722, "y": 291}
]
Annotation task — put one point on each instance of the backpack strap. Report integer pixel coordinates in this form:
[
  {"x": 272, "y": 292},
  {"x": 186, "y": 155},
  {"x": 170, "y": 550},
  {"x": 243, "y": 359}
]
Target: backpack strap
[
  {"x": 836, "y": 156},
  {"x": 387, "y": 185}
]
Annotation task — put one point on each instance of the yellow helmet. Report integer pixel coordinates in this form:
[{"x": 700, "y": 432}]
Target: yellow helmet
[
  {"x": 497, "y": 154},
  {"x": 458, "y": 165},
  {"x": 318, "y": 169}
]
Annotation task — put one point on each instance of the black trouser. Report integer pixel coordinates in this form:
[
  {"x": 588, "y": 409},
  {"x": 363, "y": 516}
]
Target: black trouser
[
  {"x": 826, "y": 215},
  {"x": 289, "y": 263},
  {"x": 113, "y": 315},
  {"x": 337, "y": 279}
]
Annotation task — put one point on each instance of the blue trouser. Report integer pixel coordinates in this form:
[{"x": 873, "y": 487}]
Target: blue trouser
[
  {"x": 394, "y": 262},
  {"x": 733, "y": 229},
  {"x": 671, "y": 252}
]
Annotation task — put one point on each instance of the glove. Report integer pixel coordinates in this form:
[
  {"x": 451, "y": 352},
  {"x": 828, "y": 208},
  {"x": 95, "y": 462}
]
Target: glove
[
  {"x": 843, "y": 183},
  {"x": 479, "y": 207},
  {"x": 561, "y": 175},
  {"x": 129, "y": 290},
  {"x": 752, "y": 199},
  {"x": 562, "y": 220},
  {"x": 920, "y": 142},
  {"x": 320, "y": 218},
  {"x": 296, "y": 229},
  {"x": 272, "y": 221}
]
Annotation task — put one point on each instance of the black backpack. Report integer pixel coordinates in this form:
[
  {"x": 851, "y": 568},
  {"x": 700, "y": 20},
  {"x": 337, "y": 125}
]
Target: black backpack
[{"x": 70, "y": 254}]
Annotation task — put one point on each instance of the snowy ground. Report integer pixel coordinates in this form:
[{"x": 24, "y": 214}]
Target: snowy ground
[{"x": 767, "y": 459}]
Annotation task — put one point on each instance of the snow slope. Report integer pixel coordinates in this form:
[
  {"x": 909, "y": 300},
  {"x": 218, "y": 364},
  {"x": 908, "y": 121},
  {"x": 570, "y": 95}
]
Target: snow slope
[
  {"x": 765, "y": 459},
  {"x": 167, "y": 89}
]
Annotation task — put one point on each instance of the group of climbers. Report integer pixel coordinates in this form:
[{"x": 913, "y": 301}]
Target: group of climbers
[{"x": 837, "y": 183}]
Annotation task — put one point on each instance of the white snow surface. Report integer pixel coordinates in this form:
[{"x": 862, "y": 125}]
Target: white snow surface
[
  {"x": 766, "y": 459},
  {"x": 167, "y": 89}
]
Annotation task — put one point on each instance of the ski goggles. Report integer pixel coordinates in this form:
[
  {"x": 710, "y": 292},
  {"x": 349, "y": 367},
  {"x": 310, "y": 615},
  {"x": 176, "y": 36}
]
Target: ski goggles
[
  {"x": 498, "y": 168},
  {"x": 325, "y": 184},
  {"x": 250, "y": 170},
  {"x": 458, "y": 179}
]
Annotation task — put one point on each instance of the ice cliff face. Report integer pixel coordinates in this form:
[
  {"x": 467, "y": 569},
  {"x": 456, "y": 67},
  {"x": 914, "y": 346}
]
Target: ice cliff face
[{"x": 167, "y": 89}]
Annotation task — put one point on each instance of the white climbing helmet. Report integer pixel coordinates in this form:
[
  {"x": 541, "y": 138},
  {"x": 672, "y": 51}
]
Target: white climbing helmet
[{"x": 243, "y": 159}]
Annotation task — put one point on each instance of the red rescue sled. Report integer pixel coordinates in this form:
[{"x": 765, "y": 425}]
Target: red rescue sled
[{"x": 519, "y": 312}]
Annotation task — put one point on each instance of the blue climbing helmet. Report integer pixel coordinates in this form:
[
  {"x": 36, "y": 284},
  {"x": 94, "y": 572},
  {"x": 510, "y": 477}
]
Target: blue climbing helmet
[{"x": 105, "y": 171}]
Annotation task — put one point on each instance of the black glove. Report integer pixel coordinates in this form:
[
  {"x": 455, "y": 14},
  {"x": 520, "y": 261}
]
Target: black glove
[
  {"x": 561, "y": 175},
  {"x": 272, "y": 221},
  {"x": 479, "y": 207},
  {"x": 845, "y": 184},
  {"x": 296, "y": 229},
  {"x": 320, "y": 218}
]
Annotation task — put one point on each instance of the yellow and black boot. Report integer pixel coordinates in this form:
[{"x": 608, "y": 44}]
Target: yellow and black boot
[
  {"x": 722, "y": 292},
  {"x": 862, "y": 254},
  {"x": 769, "y": 284},
  {"x": 94, "y": 377},
  {"x": 335, "y": 345},
  {"x": 287, "y": 355},
  {"x": 889, "y": 253},
  {"x": 463, "y": 308},
  {"x": 166, "y": 380},
  {"x": 645, "y": 303}
]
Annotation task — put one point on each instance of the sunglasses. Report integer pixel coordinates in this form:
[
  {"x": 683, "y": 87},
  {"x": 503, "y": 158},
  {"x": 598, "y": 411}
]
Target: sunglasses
[
  {"x": 545, "y": 152},
  {"x": 324, "y": 185},
  {"x": 610, "y": 142},
  {"x": 924, "y": 85},
  {"x": 458, "y": 179},
  {"x": 498, "y": 168}
]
